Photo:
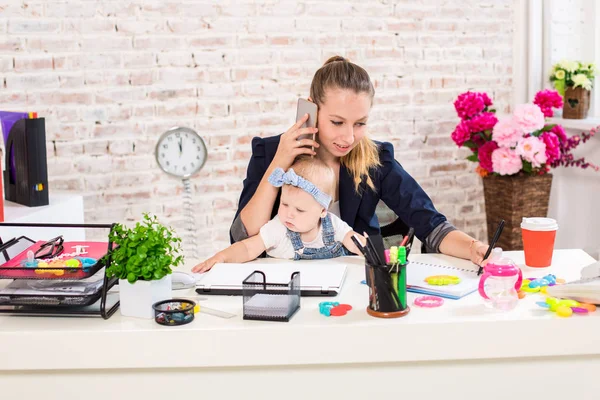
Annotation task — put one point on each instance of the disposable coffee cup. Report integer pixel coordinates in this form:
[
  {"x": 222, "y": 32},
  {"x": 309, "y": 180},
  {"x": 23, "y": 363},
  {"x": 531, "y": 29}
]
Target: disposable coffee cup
[{"x": 538, "y": 241}]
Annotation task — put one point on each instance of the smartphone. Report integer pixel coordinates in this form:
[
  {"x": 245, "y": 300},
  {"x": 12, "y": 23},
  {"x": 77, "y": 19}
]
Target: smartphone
[{"x": 310, "y": 108}]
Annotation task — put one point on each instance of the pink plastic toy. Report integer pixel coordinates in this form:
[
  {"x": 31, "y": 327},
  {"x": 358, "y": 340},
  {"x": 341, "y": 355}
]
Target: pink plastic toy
[{"x": 429, "y": 301}]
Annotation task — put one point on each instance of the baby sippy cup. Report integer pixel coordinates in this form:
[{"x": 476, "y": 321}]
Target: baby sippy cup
[{"x": 500, "y": 281}]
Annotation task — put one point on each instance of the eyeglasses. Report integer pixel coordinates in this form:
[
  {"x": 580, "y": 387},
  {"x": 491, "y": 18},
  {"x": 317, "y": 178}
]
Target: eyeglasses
[{"x": 51, "y": 248}]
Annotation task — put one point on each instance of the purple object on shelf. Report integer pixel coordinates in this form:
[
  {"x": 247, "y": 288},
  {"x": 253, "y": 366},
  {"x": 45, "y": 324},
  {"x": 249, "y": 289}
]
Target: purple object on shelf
[{"x": 7, "y": 120}]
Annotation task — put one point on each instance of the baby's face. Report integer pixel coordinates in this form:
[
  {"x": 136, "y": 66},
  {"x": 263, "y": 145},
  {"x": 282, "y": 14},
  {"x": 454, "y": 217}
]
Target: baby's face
[{"x": 298, "y": 210}]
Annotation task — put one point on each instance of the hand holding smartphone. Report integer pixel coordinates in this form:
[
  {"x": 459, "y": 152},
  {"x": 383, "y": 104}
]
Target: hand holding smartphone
[{"x": 310, "y": 108}]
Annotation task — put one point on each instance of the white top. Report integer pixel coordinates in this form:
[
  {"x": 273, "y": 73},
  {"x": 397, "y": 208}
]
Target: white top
[
  {"x": 279, "y": 245},
  {"x": 539, "y": 224},
  {"x": 459, "y": 330},
  {"x": 334, "y": 209}
]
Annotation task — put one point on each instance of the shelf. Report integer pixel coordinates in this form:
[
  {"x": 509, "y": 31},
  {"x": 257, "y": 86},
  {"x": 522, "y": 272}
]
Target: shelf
[
  {"x": 576, "y": 124},
  {"x": 63, "y": 208}
]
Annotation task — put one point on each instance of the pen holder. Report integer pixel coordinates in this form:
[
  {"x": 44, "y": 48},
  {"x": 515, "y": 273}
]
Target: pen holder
[{"x": 387, "y": 291}]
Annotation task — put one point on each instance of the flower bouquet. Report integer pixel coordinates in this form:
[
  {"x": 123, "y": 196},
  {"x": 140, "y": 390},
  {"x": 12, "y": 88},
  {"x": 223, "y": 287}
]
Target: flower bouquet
[
  {"x": 574, "y": 81},
  {"x": 514, "y": 155},
  {"x": 521, "y": 143}
]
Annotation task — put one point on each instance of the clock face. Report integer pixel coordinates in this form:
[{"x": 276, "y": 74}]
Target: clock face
[{"x": 181, "y": 152}]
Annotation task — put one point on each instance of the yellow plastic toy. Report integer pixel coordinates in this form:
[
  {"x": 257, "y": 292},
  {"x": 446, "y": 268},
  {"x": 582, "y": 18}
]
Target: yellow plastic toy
[{"x": 442, "y": 280}]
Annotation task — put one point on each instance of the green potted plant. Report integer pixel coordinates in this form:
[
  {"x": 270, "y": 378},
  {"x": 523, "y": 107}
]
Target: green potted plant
[
  {"x": 142, "y": 262},
  {"x": 574, "y": 81}
]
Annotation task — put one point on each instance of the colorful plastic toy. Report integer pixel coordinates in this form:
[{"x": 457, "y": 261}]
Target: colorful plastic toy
[
  {"x": 566, "y": 307},
  {"x": 429, "y": 301},
  {"x": 333, "y": 308},
  {"x": 442, "y": 280}
]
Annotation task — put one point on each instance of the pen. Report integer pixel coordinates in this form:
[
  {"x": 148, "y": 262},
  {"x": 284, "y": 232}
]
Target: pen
[
  {"x": 364, "y": 250},
  {"x": 359, "y": 245},
  {"x": 492, "y": 244},
  {"x": 371, "y": 246}
]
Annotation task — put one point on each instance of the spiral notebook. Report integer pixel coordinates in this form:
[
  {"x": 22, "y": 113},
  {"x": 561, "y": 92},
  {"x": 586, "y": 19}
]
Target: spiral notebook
[{"x": 439, "y": 264}]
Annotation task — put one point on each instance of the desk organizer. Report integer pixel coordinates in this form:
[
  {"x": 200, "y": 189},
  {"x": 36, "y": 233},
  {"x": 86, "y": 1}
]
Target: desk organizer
[
  {"x": 72, "y": 266},
  {"x": 174, "y": 312},
  {"x": 73, "y": 299},
  {"x": 387, "y": 290},
  {"x": 270, "y": 301}
]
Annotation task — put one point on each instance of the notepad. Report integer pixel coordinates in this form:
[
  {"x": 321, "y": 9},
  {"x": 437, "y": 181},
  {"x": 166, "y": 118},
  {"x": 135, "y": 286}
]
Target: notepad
[
  {"x": 316, "y": 278},
  {"x": 270, "y": 305},
  {"x": 438, "y": 264}
]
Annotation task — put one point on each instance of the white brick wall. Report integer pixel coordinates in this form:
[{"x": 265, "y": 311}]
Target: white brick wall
[{"x": 111, "y": 76}]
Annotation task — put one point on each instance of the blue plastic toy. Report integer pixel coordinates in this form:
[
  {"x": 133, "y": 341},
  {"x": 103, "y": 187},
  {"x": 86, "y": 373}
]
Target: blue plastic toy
[{"x": 326, "y": 306}]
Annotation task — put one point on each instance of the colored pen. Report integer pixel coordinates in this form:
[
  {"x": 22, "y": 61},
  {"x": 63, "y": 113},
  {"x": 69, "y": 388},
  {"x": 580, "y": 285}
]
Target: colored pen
[
  {"x": 371, "y": 246},
  {"x": 406, "y": 239}
]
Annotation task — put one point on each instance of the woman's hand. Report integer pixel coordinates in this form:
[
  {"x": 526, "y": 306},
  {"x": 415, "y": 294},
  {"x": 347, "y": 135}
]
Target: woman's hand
[
  {"x": 290, "y": 147},
  {"x": 208, "y": 264},
  {"x": 478, "y": 251}
]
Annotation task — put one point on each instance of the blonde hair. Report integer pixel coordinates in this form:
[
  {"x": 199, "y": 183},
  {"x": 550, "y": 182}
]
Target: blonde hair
[
  {"x": 315, "y": 170},
  {"x": 339, "y": 73}
]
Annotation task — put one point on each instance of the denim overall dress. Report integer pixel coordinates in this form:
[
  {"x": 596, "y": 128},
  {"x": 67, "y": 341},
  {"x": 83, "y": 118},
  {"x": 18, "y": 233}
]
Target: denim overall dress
[{"x": 331, "y": 248}]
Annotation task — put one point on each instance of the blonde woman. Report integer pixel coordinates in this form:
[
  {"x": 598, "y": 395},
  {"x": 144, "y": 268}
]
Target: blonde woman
[{"x": 365, "y": 170}]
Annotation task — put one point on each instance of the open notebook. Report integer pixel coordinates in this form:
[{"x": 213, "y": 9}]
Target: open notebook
[
  {"x": 439, "y": 264},
  {"x": 316, "y": 278}
]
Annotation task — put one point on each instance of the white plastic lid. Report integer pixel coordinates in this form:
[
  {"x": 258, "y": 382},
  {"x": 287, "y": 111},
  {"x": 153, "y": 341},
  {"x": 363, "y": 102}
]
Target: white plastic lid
[
  {"x": 539, "y": 224},
  {"x": 497, "y": 257},
  {"x": 496, "y": 254}
]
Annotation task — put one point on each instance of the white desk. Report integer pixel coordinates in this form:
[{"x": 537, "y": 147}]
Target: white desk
[
  {"x": 459, "y": 351},
  {"x": 63, "y": 208}
]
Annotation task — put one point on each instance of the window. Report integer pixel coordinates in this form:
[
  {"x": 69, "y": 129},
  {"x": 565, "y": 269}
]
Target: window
[{"x": 549, "y": 31}]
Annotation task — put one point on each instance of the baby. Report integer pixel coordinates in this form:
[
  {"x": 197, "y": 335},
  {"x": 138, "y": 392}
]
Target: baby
[{"x": 302, "y": 228}]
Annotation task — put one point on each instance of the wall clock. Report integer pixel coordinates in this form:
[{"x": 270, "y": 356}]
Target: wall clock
[{"x": 181, "y": 153}]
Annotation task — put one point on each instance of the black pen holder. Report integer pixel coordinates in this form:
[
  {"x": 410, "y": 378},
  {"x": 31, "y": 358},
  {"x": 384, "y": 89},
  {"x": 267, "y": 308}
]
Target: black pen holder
[{"x": 387, "y": 291}]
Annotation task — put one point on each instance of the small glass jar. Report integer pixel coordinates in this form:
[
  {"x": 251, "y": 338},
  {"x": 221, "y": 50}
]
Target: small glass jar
[{"x": 500, "y": 282}]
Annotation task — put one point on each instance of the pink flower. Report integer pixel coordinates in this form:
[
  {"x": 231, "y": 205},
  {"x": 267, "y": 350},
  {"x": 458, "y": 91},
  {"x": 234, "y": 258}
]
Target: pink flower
[
  {"x": 479, "y": 141},
  {"x": 469, "y": 104},
  {"x": 532, "y": 149},
  {"x": 461, "y": 133},
  {"x": 482, "y": 122},
  {"x": 506, "y": 161},
  {"x": 486, "y": 99},
  {"x": 528, "y": 117},
  {"x": 485, "y": 155},
  {"x": 560, "y": 133},
  {"x": 547, "y": 100},
  {"x": 552, "y": 146},
  {"x": 506, "y": 133}
]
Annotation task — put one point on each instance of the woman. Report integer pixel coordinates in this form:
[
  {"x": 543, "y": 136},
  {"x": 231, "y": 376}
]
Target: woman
[{"x": 366, "y": 171}]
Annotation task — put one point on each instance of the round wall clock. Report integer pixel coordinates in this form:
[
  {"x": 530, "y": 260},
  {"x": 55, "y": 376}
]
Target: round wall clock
[{"x": 180, "y": 152}]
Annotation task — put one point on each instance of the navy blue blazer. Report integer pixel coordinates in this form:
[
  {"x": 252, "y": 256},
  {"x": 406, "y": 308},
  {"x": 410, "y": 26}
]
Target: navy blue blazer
[{"x": 398, "y": 190}]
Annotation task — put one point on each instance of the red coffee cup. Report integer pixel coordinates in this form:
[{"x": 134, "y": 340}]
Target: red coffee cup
[{"x": 538, "y": 241}]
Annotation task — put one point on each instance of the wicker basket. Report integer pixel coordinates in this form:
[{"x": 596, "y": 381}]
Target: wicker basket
[
  {"x": 511, "y": 198},
  {"x": 576, "y": 103}
]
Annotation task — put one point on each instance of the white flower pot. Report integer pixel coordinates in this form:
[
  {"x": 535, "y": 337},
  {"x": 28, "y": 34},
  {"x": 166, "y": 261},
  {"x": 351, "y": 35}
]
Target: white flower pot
[{"x": 136, "y": 299}]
